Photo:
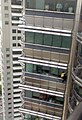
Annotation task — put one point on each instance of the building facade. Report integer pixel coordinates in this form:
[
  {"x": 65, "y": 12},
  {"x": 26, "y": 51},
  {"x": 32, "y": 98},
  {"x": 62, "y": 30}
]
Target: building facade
[
  {"x": 11, "y": 11},
  {"x": 49, "y": 31}
]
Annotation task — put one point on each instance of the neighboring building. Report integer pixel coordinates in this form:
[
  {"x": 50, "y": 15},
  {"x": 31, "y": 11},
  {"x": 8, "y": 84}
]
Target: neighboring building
[
  {"x": 49, "y": 27},
  {"x": 75, "y": 96},
  {"x": 11, "y": 11}
]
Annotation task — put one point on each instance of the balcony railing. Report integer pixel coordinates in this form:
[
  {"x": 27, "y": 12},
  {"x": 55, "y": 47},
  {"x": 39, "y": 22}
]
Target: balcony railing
[
  {"x": 77, "y": 75},
  {"x": 47, "y": 48},
  {"x": 78, "y": 97},
  {"x": 79, "y": 59},
  {"x": 45, "y": 84},
  {"x": 41, "y": 90},
  {"x": 71, "y": 103},
  {"x": 47, "y": 13},
  {"x": 39, "y": 114},
  {"x": 79, "y": 37}
]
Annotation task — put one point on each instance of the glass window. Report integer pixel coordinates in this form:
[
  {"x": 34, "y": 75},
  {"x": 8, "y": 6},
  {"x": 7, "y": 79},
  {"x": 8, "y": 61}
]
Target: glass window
[
  {"x": 56, "y": 5},
  {"x": 29, "y": 67},
  {"x": 40, "y": 4},
  {"x": 29, "y": 37},
  {"x": 59, "y": 98},
  {"x": 13, "y": 30},
  {"x": 47, "y": 40},
  {"x": 19, "y": 37},
  {"x": 56, "y": 41},
  {"x": 27, "y": 117},
  {"x": 38, "y": 38},
  {"x": 66, "y": 42},
  {"x": 45, "y": 70},
  {"x": 39, "y": 69},
  {"x": 16, "y": 2},
  {"x": 5, "y": 0},
  {"x": 6, "y": 15},
  {"x": 19, "y": 31},
  {"x": 34, "y": 4},
  {"x": 54, "y": 71},
  {"x": 6, "y": 7},
  {"x": 36, "y": 95},
  {"x": 28, "y": 94},
  {"x": 6, "y": 22},
  {"x": 14, "y": 37},
  {"x": 30, "y": 4}
]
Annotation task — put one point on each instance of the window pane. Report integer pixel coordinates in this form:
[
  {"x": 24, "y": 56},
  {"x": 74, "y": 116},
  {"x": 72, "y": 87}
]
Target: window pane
[
  {"x": 58, "y": 5},
  {"x": 66, "y": 42},
  {"x": 47, "y": 40},
  {"x": 40, "y": 4},
  {"x": 59, "y": 99},
  {"x": 30, "y": 4},
  {"x": 29, "y": 37},
  {"x": 28, "y": 94},
  {"x": 56, "y": 41},
  {"x": 38, "y": 38},
  {"x": 54, "y": 71},
  {"x": 29, "y": 67},
  {"x": 36, "y": 95}
]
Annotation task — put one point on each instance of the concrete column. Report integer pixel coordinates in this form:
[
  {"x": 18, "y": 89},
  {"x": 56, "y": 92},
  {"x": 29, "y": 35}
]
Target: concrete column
[{"x": 72, "y": 56}]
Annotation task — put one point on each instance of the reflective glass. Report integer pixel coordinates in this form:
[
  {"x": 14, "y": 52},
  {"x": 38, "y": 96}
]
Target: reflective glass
[
  {"x": 47, "y": 39},
  {"x": 29, "y": 37},
  {"x": 56, "y": 41},
  {"x": 54, "y": 71},
  {"x": 29, "y": 67},
  {"x": 52, "y": 5},
  {"x": 45, "y": 70},
  {"x": 66, "y": 42},
  {"x": 38, "y": 38}
]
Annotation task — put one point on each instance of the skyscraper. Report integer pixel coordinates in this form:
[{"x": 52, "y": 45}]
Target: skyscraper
[
  {"x": 49, "y": 31},
  {"x": 11, "y": 11}
]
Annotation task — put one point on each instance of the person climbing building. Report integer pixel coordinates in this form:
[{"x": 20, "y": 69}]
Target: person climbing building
[{"x": 64, "y": 76}]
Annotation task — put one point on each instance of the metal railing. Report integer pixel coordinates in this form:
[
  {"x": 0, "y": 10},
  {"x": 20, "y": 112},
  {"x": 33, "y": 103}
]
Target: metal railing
[
  {"x": 79, "y": 37},
  {"x": 71, "y": 103},
  {"x": 77, "y": 95},
  {"x": 77, "y": 74}
]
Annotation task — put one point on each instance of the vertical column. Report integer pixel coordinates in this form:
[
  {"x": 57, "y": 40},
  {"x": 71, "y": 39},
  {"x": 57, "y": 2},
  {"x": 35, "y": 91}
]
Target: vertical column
[{"x": 72, "y": 56}]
